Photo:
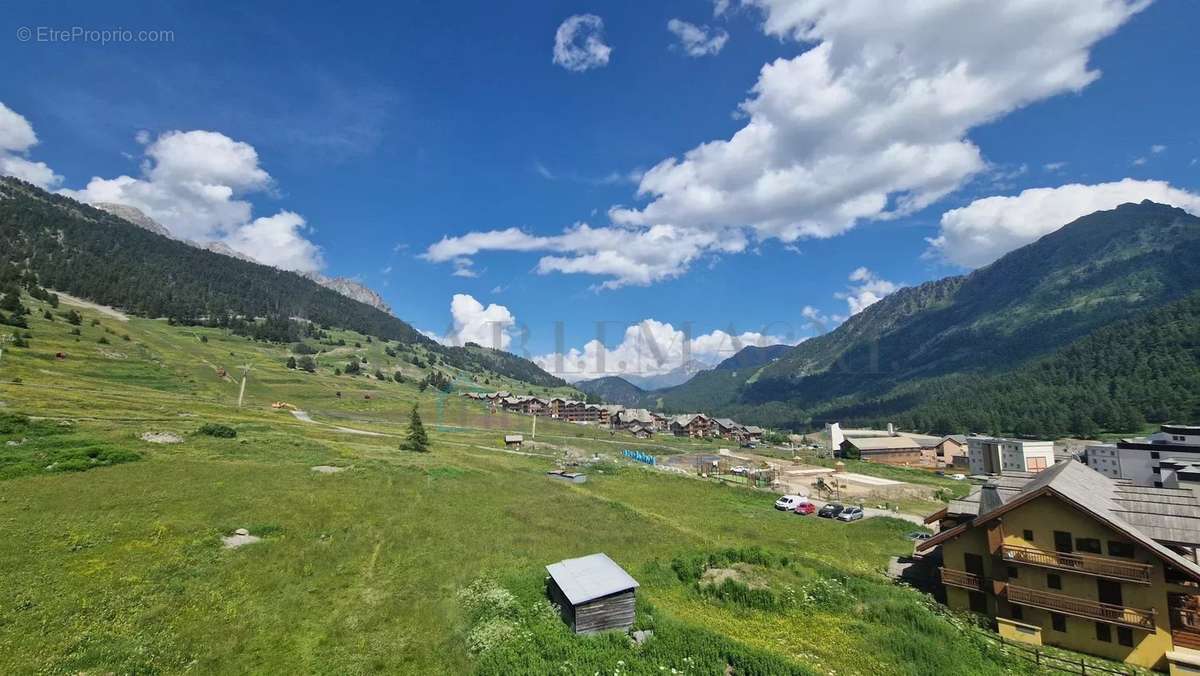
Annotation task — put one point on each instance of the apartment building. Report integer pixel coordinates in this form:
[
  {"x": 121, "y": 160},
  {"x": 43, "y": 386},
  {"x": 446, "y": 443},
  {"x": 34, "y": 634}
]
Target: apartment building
[
  {"x": 1139, "y": 460},
  {"x": 999, "y": 455},
  {"x": 1071, "y": 558}
]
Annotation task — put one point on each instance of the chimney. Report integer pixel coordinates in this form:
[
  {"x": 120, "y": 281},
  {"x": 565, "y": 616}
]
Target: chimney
[
  {"x": 989, "y": 498},
  {"x": 891, "y": 430}
]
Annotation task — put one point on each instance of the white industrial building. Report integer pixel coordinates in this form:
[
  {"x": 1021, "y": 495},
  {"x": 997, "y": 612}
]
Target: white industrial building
[
  {"x": 1139, "y": 460},
  {"x": 998, "y": 455}
]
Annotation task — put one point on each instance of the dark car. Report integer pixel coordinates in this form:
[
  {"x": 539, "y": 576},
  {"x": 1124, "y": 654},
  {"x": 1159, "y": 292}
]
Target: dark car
[{"x": 831, "y": 510}]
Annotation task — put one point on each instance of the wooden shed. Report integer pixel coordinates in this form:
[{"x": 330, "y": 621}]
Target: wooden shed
[
  {"x": 513, "y": 440},
  {"x": 593, "y": 593}
]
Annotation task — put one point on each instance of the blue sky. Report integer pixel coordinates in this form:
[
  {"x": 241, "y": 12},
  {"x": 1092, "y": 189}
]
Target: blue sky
[{"x": 355, "y": 140}]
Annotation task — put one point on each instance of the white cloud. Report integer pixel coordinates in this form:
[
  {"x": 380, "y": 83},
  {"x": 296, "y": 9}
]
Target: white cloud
[
  {"x": 471, "y": 322},
  {"x": 194, "y": 184},
  {"x": 869, "y": 123},
  {"x": 651, "y": 347},
  {"x": 279, "y": 241},
  {"x": 637, "y": 256},
  {"x": 720, "y": 7},
  {"x": 1054, "y": 166},
  {"x": 16, "y": 138},
  {"x": 1137, "y": 162},
  {"x": 1157, "y": 148},
  {"x": 867, "y": 290},
  {"x": 698, "y": 40},
  {"x": 988, "y": 228},
  {"x": 579, "y": 43},
  {"x": 142, "y": 137}
]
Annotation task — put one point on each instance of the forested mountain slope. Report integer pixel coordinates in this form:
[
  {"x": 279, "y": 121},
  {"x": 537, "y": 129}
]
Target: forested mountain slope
[
  {"x": 1099, "y": 269},
  {"x": 87, "y": 252}
]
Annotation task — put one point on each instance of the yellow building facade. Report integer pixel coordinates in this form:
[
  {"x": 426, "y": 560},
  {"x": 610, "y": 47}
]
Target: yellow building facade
[{"x": 1070, "y": 559}]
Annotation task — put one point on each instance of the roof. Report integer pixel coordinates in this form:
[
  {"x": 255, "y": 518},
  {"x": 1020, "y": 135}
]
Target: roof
[
  {"x": 883, "y": 443},
  {"x": 590, "y": 577},
  {"x": 754, "y": 429},
  {"x": 1144, "y": 515},
  {"x": 513, "y": 437},
  {"x": 727, "y": 423},
  {"x": 957, "y": 438}
]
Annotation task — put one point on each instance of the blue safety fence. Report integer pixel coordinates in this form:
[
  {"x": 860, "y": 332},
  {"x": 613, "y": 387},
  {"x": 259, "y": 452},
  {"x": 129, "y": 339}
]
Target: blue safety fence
[{"x": 640, "y": 457}]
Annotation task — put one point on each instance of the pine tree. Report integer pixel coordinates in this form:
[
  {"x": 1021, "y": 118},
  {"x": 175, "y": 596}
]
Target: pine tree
[
  {"x": 291, "y": 362},
  {"x": 417, "y": 439}
]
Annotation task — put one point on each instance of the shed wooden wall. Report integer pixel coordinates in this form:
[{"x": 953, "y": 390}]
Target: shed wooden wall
[{"x": 615, "y": 611}]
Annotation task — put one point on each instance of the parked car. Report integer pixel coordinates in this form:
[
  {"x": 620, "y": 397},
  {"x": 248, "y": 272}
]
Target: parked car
[
  {"x": 805, "y": 508},
  {"x": 740, "y": 469},
  {"x": 789, "y": 502},
  {"x": 918, "y": 536},
  {"x": 850, "y": 513},
  {"x": 830, "y": 510},
  {"x": 959, "y": 477}
]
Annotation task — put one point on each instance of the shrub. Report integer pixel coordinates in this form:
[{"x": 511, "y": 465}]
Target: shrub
[{"x": 217, "y": 430}]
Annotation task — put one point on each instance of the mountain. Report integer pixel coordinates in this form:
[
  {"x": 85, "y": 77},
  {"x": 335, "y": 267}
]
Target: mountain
[
  {"x": 1143, "y": 368},
  {"x": 613, "y": 390},
  {"x": 351, "y": 288},
  {"x": 753, "y": 356},
  {"x": 133, "y": 215},
  {"x": 1094, "y": 271},
  {"x": 88, "y": 252},
  {"x": 224, "y": 249},
  {"x": 677, "y": 375}
]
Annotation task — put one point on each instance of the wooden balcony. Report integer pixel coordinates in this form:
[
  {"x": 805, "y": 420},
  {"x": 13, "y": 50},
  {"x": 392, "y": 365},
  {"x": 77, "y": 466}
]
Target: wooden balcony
[
  {"x": 1135, "y": 618},
  {"x": 1099, "y": 566},
  {"x": 958, "y": 578}
]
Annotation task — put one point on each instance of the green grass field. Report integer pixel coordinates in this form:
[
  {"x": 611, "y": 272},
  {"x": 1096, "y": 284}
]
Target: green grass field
[{"x": 113, "y": 561}]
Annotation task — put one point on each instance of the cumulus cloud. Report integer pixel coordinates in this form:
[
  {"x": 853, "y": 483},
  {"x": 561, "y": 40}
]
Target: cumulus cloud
[
  {"x": 867, "y": 289},
  {"x": 16, "y": 138},
  {"x": 988, "y": 228},
  {"x": 279, "y": 241},
  {"x": 696, "y": 40},
  {"x": 871, "y": 122},
  {"x": 470, "y": 322},
  {"x": 579, "y": 43},
  {"x": 194, "y": 183},
  {"x": 649, "y": 348}
]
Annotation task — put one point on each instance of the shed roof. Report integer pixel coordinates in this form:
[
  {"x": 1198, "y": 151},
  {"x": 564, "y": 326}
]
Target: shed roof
[
  {"x": 510, "y": 438},
  {"x": 588, "y": 578}
]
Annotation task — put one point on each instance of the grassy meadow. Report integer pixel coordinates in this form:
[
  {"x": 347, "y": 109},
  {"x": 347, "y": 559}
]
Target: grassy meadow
[{"x": 422, "y": 563}]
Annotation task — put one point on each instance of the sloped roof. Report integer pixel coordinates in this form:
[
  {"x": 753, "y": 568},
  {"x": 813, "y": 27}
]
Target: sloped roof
[
  {"x": 590, "y": 577},
  {"x": 754, "y": 429},
  {"x": 883, "y": 443},
  {"x": 1144, "y": 515}
]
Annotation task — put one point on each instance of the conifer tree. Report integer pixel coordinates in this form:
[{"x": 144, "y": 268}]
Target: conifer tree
[{"x": 417, "y": 439}]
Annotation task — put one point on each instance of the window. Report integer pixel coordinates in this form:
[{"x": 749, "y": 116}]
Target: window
[
  {"x": 1156, "y": 470},
  {"x": 1018, "y": 613},
  {"x": 1028, "y": 535},
  {"x": 1122, "y": 549},
  {"x": 1158, "y": 484},
  {"x": 1058, "y": 622},
  {"x": 1053, "y": 581},
  {"x": 1035, "y": 464},
  {"x": 1103, "y": 632},
  {"x": 1012, "y": 572},
  {"x": 1125, "y": 636},
  {"x": 1154, "y": 455},
  {"x": 1089, "y": 545}
]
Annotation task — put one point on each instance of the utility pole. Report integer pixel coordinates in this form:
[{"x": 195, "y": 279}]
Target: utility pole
[
  {"x": 3, "y": 340},
  {"x": 533, "y": 434},
  {"x": 242, "y": 392}
]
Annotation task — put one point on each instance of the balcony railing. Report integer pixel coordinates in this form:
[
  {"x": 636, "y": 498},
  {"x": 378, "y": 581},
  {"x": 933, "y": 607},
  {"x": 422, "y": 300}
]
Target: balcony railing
[
  {"x": 958, "y": 578},
  {"x": 1092, "y": 610},
  {"x": 1100, "y": 566}
]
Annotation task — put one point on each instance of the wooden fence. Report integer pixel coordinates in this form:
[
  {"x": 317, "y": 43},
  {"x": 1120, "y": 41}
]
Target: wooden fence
[{"x": 1048, "y": 660}]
